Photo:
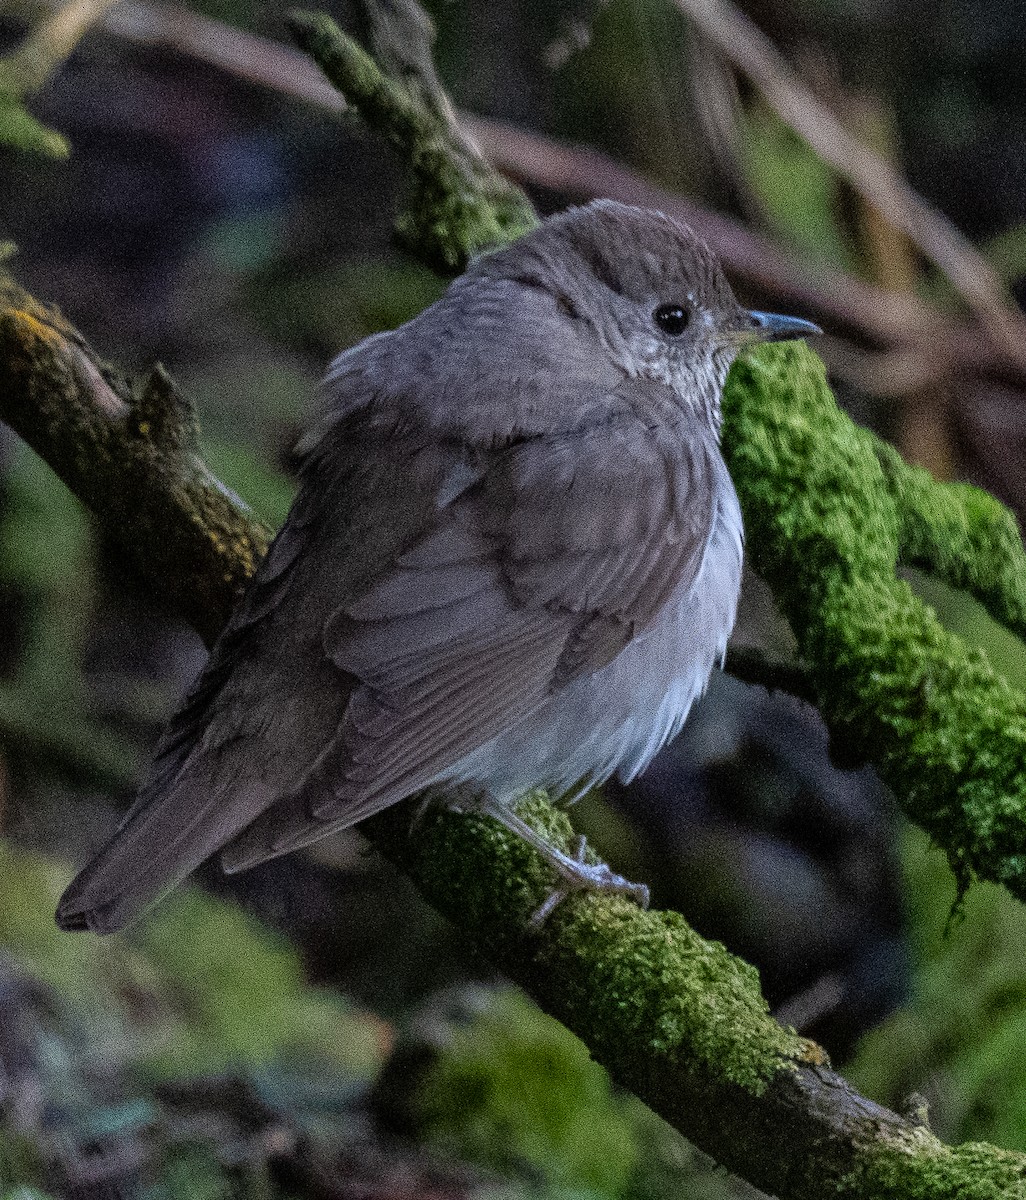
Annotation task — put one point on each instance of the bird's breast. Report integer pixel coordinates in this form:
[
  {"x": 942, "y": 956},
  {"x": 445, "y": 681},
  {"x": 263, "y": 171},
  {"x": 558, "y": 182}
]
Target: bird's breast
[{"x": 616, "y": 719}]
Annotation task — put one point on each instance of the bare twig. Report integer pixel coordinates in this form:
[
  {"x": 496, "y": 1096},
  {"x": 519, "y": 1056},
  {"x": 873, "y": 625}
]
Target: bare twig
[
  {"x": 747, "y": 47},
  {"x": 50, "y": 43},
  {"x": 248, "y": 56},
  {"x": 752, "y": 665}
]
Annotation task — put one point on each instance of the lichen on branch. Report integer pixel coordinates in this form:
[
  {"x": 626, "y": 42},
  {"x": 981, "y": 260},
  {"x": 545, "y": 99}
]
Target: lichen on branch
[{"x": 130, "y": 452}]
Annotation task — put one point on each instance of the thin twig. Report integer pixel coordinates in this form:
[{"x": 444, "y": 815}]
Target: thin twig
[
  {"x": 753, "y": 665},
  {"x": 50, "y": 43},
  {"x": 748, "y": 48}
]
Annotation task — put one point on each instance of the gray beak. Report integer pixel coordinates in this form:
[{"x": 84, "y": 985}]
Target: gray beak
[{"x": 773, "y": 327}]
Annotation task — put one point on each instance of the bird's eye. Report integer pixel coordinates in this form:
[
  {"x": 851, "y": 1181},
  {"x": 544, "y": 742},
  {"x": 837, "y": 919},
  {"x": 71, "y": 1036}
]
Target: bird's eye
[{"x": 672, "y": 319}]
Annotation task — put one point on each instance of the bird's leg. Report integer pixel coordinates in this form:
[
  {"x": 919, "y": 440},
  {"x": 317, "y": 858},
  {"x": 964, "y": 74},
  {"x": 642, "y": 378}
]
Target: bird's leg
[
  {"x": 575, "y": 873},
  {"x": 455, "y": 798},
  {"x": 556, "y": 897}
]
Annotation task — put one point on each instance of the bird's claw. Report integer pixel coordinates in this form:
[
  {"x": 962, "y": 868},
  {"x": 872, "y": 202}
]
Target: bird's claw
[{"x": 583, "y": 876}]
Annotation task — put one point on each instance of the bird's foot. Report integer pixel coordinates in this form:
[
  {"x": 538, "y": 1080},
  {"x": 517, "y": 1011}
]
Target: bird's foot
[{"x": 577, "y": 874}]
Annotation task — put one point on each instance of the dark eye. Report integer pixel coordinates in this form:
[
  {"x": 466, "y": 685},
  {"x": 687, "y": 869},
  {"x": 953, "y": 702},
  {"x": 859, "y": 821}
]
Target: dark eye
[{"x": 672, "y": 319}]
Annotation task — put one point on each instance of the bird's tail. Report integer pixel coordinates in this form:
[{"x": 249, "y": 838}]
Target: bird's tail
[{"x": 169, "y": 832}]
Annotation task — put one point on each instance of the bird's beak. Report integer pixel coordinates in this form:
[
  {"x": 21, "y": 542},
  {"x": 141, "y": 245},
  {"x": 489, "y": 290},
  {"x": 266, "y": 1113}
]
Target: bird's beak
[{"x": 773, "y": 327}]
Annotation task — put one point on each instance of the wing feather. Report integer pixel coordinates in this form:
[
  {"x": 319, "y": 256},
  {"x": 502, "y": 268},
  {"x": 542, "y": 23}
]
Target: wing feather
[{"x": 566, "y": 549}]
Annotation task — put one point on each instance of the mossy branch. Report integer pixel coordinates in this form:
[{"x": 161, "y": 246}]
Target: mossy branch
[
  {"x": 459, "y": 206},
  {"x": 677, "y": 1019},
  {"x": 961, "y": 535},
  {"x": 826, "y": 525},
  {"x": 130, "y": 452}
]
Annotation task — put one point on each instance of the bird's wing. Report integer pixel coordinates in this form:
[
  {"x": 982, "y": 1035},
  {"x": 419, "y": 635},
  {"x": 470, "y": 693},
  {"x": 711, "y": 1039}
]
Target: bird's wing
[
  {"x": 567, "y": 548},
  {"x": 268, "y": 700}
]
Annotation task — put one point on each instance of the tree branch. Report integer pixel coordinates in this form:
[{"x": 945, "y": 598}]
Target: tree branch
[
  {"x": 675, "y": 1018},
  {"x": 130, "y": 452},
  {"x": 825, "y": 528},
  {"x": 460, "y": 206},
  {"x": 48, "y": 45}
]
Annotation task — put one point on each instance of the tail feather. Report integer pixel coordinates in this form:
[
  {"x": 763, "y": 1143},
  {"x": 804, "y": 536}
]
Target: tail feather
[
  {"x": 161, "y": 841},
  {"x": 284, "y": 827}
]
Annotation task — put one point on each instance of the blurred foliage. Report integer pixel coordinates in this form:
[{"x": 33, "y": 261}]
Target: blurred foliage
[
  {"x": 21, "y": 73},
  {"x": 19, "y": 129},
  {"x": 638, "y": 59},
  {"x": 324, "y": 310},
  {"x": 269, "y": 493},
  {"x": 959, "y": 1042},
  {"x": 102, "y": 1038},
  {"x": 1007, "y": 253},
  {"x": 962, "y": 615},
  {"x": 47, "y": 575},
  {"x": 244, "y": 243},
  {"x": 515, "y": 1091},
  {"x": 197, "y": 987}
]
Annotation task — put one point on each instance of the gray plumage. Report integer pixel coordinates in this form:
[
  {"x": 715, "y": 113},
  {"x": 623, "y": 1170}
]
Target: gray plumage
[{"x": 513, "y": 561}]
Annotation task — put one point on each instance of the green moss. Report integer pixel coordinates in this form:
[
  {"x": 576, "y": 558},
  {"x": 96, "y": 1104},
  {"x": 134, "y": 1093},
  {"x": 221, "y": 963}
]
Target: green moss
[
  {"x": 641, "y": 989},
  {"x": 22, "y": 1168},
  {"x": 960, "y": 534},
  {"x": 920, "y": 1168},
  {"x": 824, "y": 528}
]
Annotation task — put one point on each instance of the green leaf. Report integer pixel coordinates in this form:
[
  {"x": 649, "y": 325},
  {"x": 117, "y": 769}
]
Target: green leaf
[{"x": 21, "y": 131}]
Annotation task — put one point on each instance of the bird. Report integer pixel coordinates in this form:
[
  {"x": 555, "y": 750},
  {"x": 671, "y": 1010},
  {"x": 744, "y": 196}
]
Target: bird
[{"x": 513, "y": 562}]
